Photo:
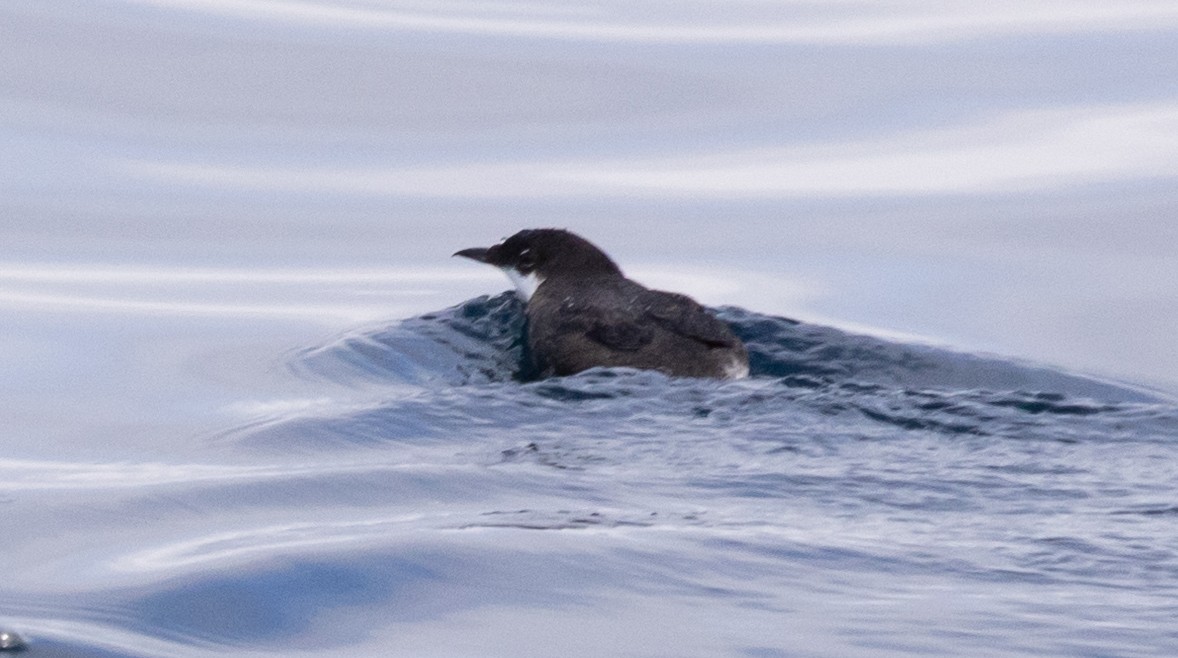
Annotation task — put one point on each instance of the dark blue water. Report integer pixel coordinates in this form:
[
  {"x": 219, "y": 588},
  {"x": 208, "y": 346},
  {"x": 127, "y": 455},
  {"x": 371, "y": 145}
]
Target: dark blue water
[{"x": 853, "y": 497}]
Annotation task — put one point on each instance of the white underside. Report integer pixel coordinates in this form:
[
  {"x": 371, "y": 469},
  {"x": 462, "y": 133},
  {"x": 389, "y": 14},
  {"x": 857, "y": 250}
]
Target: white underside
[
  {"x": 737, "y": 369},
  {"x": 525, "y": 284}
]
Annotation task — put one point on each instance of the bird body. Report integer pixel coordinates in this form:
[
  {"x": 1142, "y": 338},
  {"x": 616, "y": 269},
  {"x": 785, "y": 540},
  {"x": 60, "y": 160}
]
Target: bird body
[{"x": 584, "y": 313}]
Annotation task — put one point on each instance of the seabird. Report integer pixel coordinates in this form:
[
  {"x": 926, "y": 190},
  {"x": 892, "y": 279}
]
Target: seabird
[{"x": 584, "y": 313}]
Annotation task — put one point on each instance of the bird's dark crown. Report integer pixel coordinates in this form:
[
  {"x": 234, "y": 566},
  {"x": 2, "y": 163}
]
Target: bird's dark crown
[{"x": 547, "y": 252}]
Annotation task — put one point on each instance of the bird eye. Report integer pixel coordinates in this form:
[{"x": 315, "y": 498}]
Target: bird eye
[{"x": 527, "y": 259}]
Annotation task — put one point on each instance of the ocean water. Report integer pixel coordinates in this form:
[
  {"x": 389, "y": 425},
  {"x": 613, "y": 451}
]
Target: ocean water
[
  {"x": 854, "y": 496},
  {"x": 250, "y": 407}
]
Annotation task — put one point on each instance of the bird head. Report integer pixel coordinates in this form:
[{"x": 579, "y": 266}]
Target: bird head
[{"x": 533, "y": 256}]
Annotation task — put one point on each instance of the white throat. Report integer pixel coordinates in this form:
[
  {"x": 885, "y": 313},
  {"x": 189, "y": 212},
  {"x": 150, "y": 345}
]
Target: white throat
[{"x": 525, "y": 284}]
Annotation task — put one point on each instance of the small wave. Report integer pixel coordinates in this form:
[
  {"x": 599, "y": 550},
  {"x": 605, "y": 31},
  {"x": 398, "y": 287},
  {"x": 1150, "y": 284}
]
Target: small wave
[
  {"x": 480, "y": 341},
  {"x": 465, "y": 369},
  {"x": 483, "y": 341}
]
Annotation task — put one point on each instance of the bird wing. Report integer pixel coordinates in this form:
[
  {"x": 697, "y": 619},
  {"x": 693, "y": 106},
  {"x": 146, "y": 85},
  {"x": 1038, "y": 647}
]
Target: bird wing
[
  {"x": 682, "y": 315},
  {"x": 624, "y": 336},
  {"x": 629, "y": 328}
]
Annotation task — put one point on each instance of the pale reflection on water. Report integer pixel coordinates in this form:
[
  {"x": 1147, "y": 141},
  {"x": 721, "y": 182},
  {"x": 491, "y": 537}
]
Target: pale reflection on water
[
  {"x": 996, "y": 179},
  {"x": 1031, "y": 151},
  {"x": 331, "y": 296}
]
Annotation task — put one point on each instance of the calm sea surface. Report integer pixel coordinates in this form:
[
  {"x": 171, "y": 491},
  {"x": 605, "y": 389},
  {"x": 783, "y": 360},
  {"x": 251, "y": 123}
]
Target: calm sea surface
[{"x": 250, "y": 407}]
